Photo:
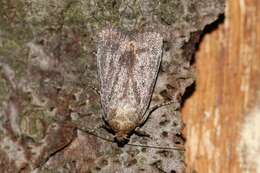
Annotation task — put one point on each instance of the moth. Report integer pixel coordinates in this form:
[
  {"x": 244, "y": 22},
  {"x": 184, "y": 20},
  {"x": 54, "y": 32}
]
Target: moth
[{"x": 128, "y": 65}]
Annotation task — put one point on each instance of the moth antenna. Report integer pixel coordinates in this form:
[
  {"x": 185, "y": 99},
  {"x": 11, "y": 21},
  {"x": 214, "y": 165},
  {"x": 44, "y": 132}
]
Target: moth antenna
[
  {"x": 88, "y": 131},
  {"x": 92, "y": 132},
  {"x": 181, "y": 148}
]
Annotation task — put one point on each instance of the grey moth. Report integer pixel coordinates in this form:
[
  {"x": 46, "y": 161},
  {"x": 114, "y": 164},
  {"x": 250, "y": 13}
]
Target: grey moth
[{"x": 128, "y": 65}]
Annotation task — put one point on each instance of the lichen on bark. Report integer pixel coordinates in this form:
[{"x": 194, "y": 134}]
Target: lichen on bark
[{"x": 47, "y": 62}]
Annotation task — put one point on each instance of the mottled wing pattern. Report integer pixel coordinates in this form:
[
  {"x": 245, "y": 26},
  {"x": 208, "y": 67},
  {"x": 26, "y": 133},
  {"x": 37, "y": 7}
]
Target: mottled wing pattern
[
  {"x": 149, "y": 51},
  {"x": 108, "y": 55},
  {"x": 127, "y": 65}
]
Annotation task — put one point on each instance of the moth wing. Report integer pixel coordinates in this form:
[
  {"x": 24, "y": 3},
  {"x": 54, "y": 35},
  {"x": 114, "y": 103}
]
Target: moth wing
[
  {"x": 108, "y": 55},
  {"x": 128, "y": 67},
  {"x": 146, "y": 70}
]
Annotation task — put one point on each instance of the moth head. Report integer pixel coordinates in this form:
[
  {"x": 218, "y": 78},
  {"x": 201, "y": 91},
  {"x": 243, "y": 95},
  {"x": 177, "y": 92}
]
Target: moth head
[
  {"x": 122, "y": 130},
  {"x": 121, "y": 138}
]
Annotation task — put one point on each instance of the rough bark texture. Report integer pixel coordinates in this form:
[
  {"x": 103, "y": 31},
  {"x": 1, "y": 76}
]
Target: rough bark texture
[
  {"x": 47, "y": 60},
  {"x": 223, "y": 115}
]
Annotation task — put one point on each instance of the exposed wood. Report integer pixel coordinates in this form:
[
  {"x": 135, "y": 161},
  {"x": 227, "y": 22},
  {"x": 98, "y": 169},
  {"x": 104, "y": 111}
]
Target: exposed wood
[{"x": 222, "y": 116}]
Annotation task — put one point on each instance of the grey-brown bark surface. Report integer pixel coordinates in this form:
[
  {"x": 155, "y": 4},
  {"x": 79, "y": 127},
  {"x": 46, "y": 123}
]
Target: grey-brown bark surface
[{"x": 47, "y": 62}]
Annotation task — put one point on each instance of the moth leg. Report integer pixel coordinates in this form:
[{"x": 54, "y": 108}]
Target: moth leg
[
  {"x": 164, "y": 104},
  {"x": 153, "y": 108},
  {"x": 138, "y": 131}
]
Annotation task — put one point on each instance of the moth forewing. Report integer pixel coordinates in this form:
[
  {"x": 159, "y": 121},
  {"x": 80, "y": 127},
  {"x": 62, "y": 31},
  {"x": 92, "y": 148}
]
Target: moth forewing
[{"x": 128, "y": 65}]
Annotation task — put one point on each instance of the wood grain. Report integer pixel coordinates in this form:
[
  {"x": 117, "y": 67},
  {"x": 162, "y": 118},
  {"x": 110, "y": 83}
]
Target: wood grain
[{"x": 222, "y": 115}]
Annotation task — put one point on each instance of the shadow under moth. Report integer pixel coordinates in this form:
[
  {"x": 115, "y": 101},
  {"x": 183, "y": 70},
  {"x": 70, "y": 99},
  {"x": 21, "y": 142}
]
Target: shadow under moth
[{"x": 128, "y": 65}]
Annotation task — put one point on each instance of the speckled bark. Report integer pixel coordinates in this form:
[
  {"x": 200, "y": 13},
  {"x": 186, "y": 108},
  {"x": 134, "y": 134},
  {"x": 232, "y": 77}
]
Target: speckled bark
[{"x": 47, "y": 62}]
